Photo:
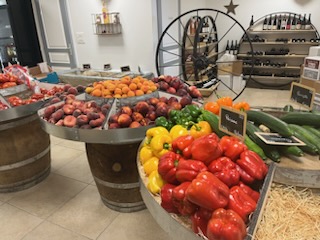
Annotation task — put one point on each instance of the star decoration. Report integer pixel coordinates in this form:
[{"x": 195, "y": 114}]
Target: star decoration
[{"x": 231, "y": 7}]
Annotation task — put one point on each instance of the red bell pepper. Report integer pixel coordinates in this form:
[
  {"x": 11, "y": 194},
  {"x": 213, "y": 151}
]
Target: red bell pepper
[
  {"x": 167, "y": 167},
  {"x": 187, "y": 170},
  {"x": 225, "y": 169},
  {"x": 166, "y": 198},
  {"x": 253, "y": 164},
  {"x": 248, "y": 190},
  {"x": 181, "y": 143},
  {"x": 207, "y": 191},
  {"x": 232, "y": 147},
  {"x": 226, "y": 225},
  {"x": 205, "y": 149},
  {"x": 241, "y": 203},
  {"x": 199, "y": 220},
  {"x": 180, "y": 201},
  {"x": 244, "y": 176}
]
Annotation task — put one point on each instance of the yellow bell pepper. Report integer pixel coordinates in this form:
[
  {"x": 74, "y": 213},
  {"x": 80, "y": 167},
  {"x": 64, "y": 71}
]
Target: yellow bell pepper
[
  {"x": 150, "y": 165},
  {"x": 155, "y": 182},
  {"x": 177, "y": 131},
  {"x": 160, "y": 144},
  {"x": 152, "y": 132},
  {"x": 200, "y": 129},
  {"x": 145, "y": 154}
]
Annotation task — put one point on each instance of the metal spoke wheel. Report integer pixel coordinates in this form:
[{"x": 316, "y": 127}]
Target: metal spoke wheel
[{"x": 200, "y": 47}]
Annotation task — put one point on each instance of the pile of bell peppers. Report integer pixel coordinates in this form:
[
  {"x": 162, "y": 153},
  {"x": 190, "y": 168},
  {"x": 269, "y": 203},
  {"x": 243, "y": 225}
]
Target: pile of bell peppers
[
  {"x": 209, "y": 179},
  {"x": 215, "y": 106}
]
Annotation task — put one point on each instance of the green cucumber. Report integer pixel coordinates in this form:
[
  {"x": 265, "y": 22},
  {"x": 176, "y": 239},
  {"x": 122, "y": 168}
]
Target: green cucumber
[
  {"x": 274, "y": 123},
  {"x": 302, "y": 118},
  {"x": 313, "y": 130},
  {"x": 305, "y": 137},
  {"x": 254, "y": 147},
  {"x": 291, "y": 150},
  {"x": 213, "y": 120},
  {"x": 271, "y": 152},
  {"x": 288, "y": 108}
]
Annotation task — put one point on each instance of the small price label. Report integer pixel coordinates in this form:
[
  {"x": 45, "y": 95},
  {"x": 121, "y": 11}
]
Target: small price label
[
  {"x": 125, "y": 69},
  {"x": 86, "y": 66},
  {"x": 233, "y": 122},
  {"x": 107, "y": 66},
  {"x": 277, "y": 139},
  {"x": 302, "y": 94}
]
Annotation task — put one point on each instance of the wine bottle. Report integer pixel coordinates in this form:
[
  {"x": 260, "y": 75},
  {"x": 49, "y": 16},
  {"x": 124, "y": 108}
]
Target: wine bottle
[
  {"x": 298, "y": 25},
  {"x": 270, "y": 23},
  {"x": 265, "y": 24},
  {"x": 231, "y": 47},
  {"x": 227, "y": 47},
  {"x": 274, "y": 25},
  {"x": 251, "y": 22},
  {"x": 303, "y": 22},
  {"x": 279, "y": 23},
  {"x": 294, "y": 22},
  {"x": 235, "y": 49},
  {"x": 283, "y": 23},
  {"x": 308, "y": 23},
  {"x": 192, "y": 26},
  {"x": 288, "y": 25}
]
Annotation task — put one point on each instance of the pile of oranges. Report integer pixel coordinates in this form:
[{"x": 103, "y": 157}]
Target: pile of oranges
[{"x": 122, "y": 88}]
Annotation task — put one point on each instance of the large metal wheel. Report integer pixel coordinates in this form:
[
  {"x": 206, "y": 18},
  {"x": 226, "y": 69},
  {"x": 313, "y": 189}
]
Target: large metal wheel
[{"x": 193, "y": 47}]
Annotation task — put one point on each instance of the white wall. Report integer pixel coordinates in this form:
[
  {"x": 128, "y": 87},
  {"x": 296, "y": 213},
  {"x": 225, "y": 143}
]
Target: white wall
[{"x": 136, "y": 45}]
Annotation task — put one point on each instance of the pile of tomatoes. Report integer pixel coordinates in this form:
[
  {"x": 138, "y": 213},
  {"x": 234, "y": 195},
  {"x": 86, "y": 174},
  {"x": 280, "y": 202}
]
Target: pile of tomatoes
[{"x": 9, "y": 80}]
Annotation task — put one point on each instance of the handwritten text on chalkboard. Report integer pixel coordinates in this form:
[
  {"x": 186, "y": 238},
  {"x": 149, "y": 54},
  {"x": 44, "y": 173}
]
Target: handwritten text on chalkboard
[{"x": 302, "y": 94}]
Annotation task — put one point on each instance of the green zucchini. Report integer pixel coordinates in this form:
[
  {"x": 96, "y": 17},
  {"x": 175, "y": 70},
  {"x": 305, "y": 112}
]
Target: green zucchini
[
  {"x": 270, "y": 151},
  {"x": 288, "y": 108},
  {"x": 291, "y": 150},
  {"x": 254, "y": 147},
  {"x": 302, "y": 118},
  {"x": 305, "y": 137},
  {"x": 213, "y": 120},
  {"x": 313, "y": 130},
  {"x": 274, "y": 123}
]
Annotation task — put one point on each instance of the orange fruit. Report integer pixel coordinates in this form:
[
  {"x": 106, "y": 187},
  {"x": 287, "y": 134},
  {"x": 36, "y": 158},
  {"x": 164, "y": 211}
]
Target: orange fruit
[
  {"x": 111, "y": 87},
  {"x": 117, "y": 96},
  {"x": 139, "y": 92},
  {"x": 117, "y": 91},
  {"x": 106, "y": 92},
  {"x": 133, "y": 86},
  {"x": 125, "y": 89},
  {"x": 96, "y": 92},
  {"x": 89, "y": 90},
  {"x": 131, "y": 94},
  {"x": 145, "y": 88}
]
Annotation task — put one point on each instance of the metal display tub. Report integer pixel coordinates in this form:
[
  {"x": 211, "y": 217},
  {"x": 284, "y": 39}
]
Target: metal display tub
[{"x": 79, "y": 77}]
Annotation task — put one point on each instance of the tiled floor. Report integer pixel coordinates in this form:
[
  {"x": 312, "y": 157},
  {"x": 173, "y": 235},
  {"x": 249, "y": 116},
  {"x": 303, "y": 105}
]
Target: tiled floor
[{"x": 67, "y": 205}]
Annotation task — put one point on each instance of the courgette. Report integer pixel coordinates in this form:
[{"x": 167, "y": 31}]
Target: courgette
[
  {"x": 288, "y": 108},
  {"x": 302, "y": 118},
  {"x": 305, "y": 137},
  {"x": 291, "y": 150},
  {"x": 272, "y": 122},
  {"x": 254, "y": 147},
  {"x": 313, "y": 130},
  {"x": 271, "y": 152},
  {"x": 213, "y": 120}
]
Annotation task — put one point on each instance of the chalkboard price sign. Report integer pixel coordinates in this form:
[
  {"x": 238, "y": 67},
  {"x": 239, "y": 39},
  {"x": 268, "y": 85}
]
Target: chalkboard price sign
[
  {"x": 86, "y": 66},
  {"x": 125, "y": 69},
  {"x": 233, "y": 122},
  {"x": 277, "y": 139},
  {"x": 302, "y": 94}
]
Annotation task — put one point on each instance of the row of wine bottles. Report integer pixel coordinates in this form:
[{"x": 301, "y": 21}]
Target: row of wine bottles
[
  {"x": 285, "y": 22},
  {"x": 194, "y": 24},
  {"x": 233, "y": 47}
]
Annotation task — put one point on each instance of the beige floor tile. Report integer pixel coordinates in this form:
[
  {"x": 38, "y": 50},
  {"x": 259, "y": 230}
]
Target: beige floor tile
[
  {"x": 73, "y": 144},
  {"x": 55, "y": 140},
  {"x": 134, "y": 226},
  {"x": 77, "y": 169},
  {"x": 46, "y": 197},
  {"x": 5, "y": 197},
  {"x": 50, "y": 231},
  {"x": 15, "y": 223},
  {"x": 85, "y": 214},
  {"x": 62, "y": 155}
]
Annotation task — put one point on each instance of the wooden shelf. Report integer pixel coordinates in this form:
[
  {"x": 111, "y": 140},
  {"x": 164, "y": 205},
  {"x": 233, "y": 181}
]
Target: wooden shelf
[
  {"x": 302, "y": 31},
  {"x": 270, "y": 67},
  {"x": 273, "y": 56},
  {"x": 282, "y": 43}
]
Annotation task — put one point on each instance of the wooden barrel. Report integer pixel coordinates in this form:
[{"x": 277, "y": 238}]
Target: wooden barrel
[
  {"x": 116, "y": 175},
  {"x": 25, "y": 153}
]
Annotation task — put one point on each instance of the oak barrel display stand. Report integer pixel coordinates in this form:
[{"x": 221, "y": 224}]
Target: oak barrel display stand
[
  {"x": 115, "y": 173},
  {"x": 25, "y": 153}
]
